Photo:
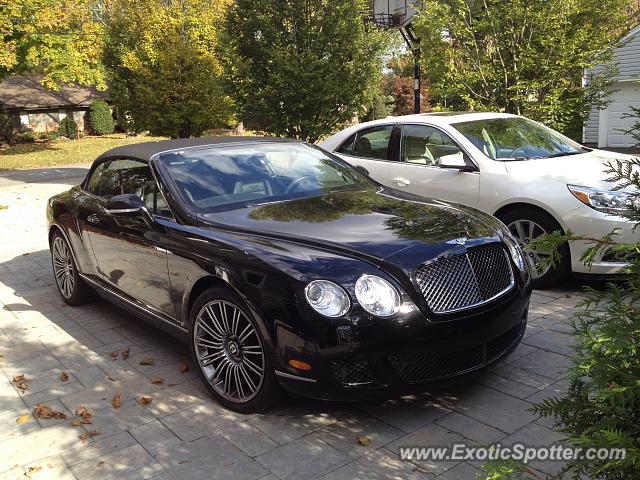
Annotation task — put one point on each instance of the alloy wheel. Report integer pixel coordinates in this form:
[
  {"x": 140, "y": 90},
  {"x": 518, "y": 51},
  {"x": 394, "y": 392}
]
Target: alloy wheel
[
  {"x": 525, "y": 231},
  {"x": 63, "y": 267},
  {"x": 229, "y": 351}
]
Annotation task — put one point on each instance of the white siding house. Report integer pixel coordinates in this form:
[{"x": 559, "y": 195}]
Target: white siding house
[{"x": 603, "y": 127}]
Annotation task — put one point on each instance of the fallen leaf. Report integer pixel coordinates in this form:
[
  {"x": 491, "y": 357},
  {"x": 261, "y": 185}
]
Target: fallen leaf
[
  {"x": 3, "y": 207},
  {"x": 117, "y": 401},
  {"x": 144, "y": 400},
  {"x": 184, "y": 368},
  {"x": 64, "y": 377},
  {"x": 147, "y": 361},
  {"x": 82, "y": 411},
  {"x": 111, "y": 378},
  {"x": 114, "y": 354},
  {"x": 87, "y": 435},
  {"x": 19, "y": 378},
  {"x": 22, "y": 419},
  {"x": 45, "y": 411},
  {"x": 157, "y": 380},
  {"x": 182, "y": 462},
  {"x": 76, "y": 422},
  {"x": 31, "y": 470},
  {"x": 363, "y": 441},
  {"x": 22, "y": 387},
  {"x": 100, "y": 463},
  {"x": 125, "y": 353},
  {"x": 49, "y": 465}
]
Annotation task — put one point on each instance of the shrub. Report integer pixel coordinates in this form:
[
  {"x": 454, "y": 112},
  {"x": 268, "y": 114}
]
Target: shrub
[
  {"x": 100, "y": 118},
  {"x": 9, "y": 125},
  {"x": 602, "y": 405},
  {"x": 68, "y": 128},
  {"x": 27, "y": 137}
]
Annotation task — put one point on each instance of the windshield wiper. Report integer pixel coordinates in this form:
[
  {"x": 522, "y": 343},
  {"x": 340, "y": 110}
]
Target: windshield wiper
[{"x": 564, "y": 154}]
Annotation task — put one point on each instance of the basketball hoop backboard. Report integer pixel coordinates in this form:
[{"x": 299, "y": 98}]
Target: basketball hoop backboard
[{"x": 394, "y": 14}]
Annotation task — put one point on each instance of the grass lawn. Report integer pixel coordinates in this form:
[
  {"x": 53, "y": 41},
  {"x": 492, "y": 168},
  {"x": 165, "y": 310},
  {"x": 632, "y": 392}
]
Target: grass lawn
[{"x": 47, "y": 154}]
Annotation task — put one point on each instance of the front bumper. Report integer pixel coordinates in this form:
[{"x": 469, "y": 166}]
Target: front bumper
[
  {"x": 411, "y": 357},
  {"x": 591, "y": 223}
]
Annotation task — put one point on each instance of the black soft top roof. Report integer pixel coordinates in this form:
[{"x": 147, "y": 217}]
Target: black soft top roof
[{"x": 146, "y": 150}]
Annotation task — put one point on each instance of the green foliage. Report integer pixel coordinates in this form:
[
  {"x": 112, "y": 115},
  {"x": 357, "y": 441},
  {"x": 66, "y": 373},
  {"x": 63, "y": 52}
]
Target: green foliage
[
  {"x": 301, "y": 68},
  {"x": 521, "y": 56},
  {"x": 164, "y": 73},
  {"x": 26, "y": 137},
  {"x": 100, "y": 118},
  {"x": 56, "y": 38},
  {"x": 602, "y": 405},
  {"x": 634, "y": 130},
  {"x": 9, "y": 125},
  {"x": 68, "y": 128}
]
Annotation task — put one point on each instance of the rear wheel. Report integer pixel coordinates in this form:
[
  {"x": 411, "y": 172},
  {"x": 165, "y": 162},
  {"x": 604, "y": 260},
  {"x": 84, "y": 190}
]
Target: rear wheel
[
  {"x": 233, "y": 359},
  {"x": 527, "y": 224},
  {"x": 72, "y": 288}
]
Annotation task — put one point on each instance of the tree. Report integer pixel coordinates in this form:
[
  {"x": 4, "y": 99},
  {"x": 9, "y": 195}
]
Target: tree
[
  {"x": 100, "y": 118},
  {"x": 634, "y": 130},
  {"x": 68, "y": 128},
  {"x": 56, "y": 38},
  {"x": 9, "y": 125},
  {"x": 162, "y": 65},
  {"x": 521, "y": 56},
  {"x": 403, "y": 95},
  {"x": 301, "y": 68}
]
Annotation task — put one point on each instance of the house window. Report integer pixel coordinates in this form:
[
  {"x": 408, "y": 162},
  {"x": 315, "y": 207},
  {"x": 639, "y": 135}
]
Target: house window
[
  {"x": 62, "y": 114},
  {"x": 24, "y": 118}
]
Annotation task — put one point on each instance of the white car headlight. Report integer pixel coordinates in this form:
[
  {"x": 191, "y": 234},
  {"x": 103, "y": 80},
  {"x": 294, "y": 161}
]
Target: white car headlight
[
  {"x": 516, "y": 252},
  {"x": 327, "y": 298},
  {"x": 377, "y": 296},
  {"x": 606, "y": 201}
]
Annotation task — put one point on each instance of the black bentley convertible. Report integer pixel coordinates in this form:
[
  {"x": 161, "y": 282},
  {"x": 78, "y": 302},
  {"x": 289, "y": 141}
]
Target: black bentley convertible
[{"x": 284, "y": 267}]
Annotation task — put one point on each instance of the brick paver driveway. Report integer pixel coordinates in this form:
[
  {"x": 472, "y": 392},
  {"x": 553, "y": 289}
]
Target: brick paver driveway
[{"x": 182, "y": 433}]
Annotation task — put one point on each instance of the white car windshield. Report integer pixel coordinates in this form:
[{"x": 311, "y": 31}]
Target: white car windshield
[{"x": 516, "y": 138}]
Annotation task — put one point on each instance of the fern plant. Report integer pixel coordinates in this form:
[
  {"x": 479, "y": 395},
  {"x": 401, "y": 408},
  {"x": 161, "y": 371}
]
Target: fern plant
[{"x": 601, "y": 408}]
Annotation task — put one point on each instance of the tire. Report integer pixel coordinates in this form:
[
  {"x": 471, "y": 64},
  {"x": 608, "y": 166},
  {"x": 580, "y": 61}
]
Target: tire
[
  {"x": 72, "y": 288},
  {"x": 543, "y": 223},
  {"x": 233, "y": 359}
]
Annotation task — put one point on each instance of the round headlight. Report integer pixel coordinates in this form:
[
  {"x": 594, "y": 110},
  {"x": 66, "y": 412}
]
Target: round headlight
[
  {"x": 327, "y": 298},
  {"x": 516, "y": 253},
  {"x": 377, "y": 296}
]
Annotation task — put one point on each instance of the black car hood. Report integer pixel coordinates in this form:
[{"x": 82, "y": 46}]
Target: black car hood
[{"x": 375, "y": 222}]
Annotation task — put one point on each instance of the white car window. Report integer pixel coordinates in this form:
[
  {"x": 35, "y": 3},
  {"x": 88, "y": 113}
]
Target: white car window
[{"x": 425, "y": 145}]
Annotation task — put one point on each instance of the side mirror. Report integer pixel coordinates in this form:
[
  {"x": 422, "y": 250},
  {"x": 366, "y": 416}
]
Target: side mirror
[
  {"x": 362, "y": 170},
  {"x": 456, "y": 161},
  {"x": 125, "y": 204}
]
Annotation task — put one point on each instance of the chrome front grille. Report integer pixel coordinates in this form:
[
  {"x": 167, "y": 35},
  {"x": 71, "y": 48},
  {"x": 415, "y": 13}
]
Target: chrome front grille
[{"x": 464, "y": 281}]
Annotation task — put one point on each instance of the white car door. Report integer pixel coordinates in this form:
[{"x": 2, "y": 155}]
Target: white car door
[
  {"x": 423, "y": 149},
  {"x": 374, "y": 148}
]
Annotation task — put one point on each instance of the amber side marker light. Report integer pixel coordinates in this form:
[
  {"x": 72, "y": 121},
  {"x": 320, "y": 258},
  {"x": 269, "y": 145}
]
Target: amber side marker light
[{"x": 299, "y": 365}]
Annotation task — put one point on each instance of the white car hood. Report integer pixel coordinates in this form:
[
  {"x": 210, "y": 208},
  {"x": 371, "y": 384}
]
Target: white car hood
[{"x": 585, "y": 169}]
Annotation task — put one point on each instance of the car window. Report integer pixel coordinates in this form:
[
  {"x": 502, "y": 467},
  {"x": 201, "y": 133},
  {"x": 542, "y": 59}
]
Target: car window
[
  {"x": 213, "y": 179},
  {"x": 517, "y": 138},
  {"x": 126, "y": 176},
  {"x": 347, "y": 147},
  {"x": 93, "y": 184},
  {"x": 425, "y": 145},
  {"x": 372, "y": 143}
]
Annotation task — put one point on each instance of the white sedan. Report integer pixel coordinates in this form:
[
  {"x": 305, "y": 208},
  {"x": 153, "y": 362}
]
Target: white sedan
[{"x": 531, "y": 177}]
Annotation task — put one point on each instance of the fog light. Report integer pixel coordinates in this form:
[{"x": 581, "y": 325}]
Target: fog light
[{"x": 299, "y": 365}]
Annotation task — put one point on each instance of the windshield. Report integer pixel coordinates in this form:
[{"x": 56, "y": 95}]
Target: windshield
[
  {"x": 517, "y": 138},
  {"x": 218, "y": 178}
]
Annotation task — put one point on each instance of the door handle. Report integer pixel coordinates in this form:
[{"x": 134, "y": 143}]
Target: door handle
[
  {"x": 93, "y": 219},
  {"x": 401, "y": 182}
]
